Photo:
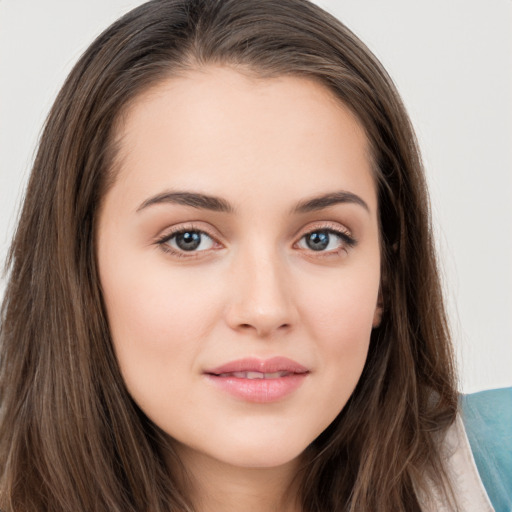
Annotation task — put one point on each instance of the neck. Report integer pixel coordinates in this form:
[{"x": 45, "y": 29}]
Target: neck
[{"x": 219, "y": 487}]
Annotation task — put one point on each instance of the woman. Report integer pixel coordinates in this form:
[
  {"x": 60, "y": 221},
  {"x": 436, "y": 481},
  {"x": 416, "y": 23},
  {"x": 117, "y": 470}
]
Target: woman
[{"x": 223, "y": 290}]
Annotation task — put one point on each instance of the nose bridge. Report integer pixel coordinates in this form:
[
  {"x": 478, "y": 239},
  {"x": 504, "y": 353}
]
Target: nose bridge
[{"x": 261, "y": 299}]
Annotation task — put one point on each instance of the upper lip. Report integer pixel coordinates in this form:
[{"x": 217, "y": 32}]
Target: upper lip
[{"x": 251, "y": 364}]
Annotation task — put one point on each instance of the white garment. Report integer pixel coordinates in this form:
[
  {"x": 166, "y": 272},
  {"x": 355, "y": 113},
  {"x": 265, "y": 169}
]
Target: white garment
[{"x": 467, "y": 486}]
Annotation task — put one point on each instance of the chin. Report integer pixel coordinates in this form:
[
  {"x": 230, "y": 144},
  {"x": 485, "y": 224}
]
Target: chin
[
  {"x": 262, "y": 458},
  {"x": 262, "y": 451}
]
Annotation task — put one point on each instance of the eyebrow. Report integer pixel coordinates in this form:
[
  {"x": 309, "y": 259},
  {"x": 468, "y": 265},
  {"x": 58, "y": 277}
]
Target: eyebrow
[
  {"x": 217, "y": 204},
  {"x": 331, "y": 199},
  {"x": 193, "y": 199}
]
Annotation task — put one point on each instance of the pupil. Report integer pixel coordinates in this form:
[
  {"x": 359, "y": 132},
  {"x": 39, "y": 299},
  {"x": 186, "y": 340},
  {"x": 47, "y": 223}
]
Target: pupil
[
  {"x": 188, "y": 241},
  {"x": 318, "y": 240}
]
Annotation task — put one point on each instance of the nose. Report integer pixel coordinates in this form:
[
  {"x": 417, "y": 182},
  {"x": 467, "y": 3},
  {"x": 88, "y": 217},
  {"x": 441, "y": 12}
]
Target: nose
[{"x": 261, "y": 299}]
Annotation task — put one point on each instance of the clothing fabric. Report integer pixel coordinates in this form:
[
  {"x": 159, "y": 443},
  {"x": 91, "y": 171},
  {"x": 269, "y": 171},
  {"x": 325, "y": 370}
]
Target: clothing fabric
[
  {"x": 469, "y": 491},
  {"x": 487, "y": 417},
  {"x": 478, "y": 453}
]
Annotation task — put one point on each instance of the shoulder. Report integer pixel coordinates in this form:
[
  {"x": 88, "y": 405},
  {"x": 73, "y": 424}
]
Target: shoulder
[{"x": 487, "y": 418}]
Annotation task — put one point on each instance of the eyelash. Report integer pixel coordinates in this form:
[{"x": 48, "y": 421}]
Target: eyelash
[{"x": 347, "y": 241}]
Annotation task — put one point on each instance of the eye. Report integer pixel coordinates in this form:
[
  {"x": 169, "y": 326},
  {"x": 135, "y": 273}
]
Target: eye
[
  {"x": 188, "y": 240},
  {"x": 326, "y": 240}
]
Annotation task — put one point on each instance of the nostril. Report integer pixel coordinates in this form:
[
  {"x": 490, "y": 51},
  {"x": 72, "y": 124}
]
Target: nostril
[{"x": 262, "y": 329}]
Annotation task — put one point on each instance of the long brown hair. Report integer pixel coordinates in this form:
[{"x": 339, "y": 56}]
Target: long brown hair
[{"x": 71, "y": 438}]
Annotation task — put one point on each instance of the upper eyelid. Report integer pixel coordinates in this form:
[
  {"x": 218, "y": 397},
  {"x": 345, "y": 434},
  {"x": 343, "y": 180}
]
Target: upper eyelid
[
  {"x": 173, "y": 234},
  {"x": 168, "y": 233},
  {"x": 323, "y": 225}
]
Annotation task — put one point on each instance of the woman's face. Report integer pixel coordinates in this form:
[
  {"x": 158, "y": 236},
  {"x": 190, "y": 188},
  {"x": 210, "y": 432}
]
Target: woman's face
[{"x": 239, "y": 260}]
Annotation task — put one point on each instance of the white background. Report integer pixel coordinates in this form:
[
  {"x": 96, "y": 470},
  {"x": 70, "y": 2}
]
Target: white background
[{"x": 452, "y": 63}]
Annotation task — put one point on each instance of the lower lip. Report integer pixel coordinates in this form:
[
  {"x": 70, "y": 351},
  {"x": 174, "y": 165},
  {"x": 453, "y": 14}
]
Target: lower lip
[{"x": 259, "y": 390}]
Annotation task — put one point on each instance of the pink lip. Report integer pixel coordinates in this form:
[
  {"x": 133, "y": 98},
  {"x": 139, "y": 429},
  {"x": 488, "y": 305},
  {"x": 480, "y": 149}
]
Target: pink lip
[{"x": 260, "y": 390}]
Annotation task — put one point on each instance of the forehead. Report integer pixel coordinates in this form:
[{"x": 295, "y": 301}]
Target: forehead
[{"x": 224, "y": 128}]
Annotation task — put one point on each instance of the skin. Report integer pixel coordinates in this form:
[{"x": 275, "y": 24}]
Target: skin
[{"x": 254, "y": 287}]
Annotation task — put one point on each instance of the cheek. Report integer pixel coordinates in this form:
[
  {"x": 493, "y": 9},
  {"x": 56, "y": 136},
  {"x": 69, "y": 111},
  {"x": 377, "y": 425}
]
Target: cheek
[
  {"x": 341, "y": 309},
  {"x": 148, "y": 301},
  {"x": 343, "y": 337},
  {"x": 339, "y": 317},
  {"x": 159, "y": 324},
  {"x": 158, "y": 321}
]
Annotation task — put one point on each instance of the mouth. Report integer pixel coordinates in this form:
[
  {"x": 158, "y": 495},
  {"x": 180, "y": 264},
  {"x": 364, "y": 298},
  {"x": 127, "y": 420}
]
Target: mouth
[
  {"x": 255, "y": 375},
  {"x": 258, "y": 381}
]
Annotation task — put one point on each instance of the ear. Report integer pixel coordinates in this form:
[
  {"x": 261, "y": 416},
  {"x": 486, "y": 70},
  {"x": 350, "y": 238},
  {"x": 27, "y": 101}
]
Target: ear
[{"x": 379, "y": 310}]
